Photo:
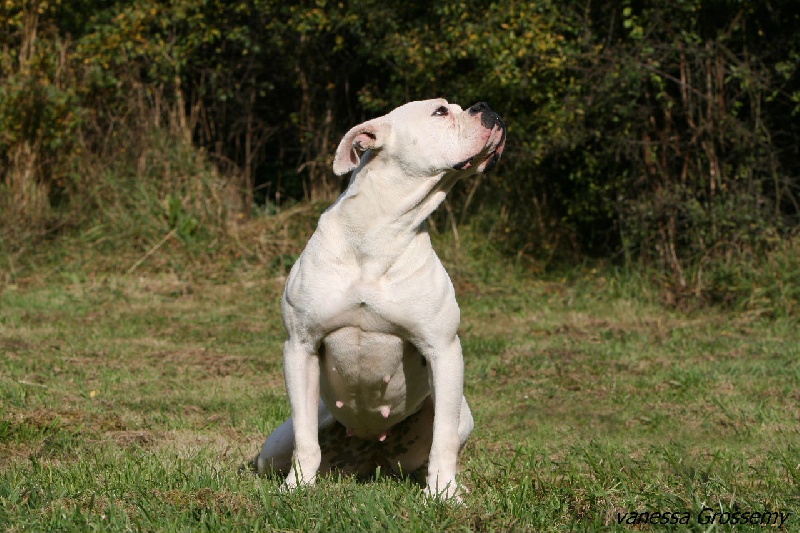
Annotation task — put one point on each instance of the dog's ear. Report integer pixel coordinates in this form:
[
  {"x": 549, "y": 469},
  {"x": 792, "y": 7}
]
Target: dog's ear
[{"x": 367, "y": 136}]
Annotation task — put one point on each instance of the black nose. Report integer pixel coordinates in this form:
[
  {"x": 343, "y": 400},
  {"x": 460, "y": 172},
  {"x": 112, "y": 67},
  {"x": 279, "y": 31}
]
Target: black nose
[
  {"x": 479, "y": 108},
  {"x": 489, "y": 119}
]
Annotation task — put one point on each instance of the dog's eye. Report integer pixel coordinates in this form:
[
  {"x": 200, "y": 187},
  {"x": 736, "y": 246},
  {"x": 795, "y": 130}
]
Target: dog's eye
[{"x": 441, "y": 111}]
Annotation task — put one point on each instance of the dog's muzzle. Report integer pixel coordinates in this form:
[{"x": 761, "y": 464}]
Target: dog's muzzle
[{"x": 495, "y": 143}]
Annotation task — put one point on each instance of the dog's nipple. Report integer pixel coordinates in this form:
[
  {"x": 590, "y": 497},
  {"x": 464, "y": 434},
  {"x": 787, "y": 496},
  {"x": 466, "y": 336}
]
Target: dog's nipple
[
  {"x": 382, "y": 437},
  {"x": 386, "y": 378},
  {"x": 339, "y": 404},
  {"x": 350, "y": 432},
  {"x": 385, "y": 411}
]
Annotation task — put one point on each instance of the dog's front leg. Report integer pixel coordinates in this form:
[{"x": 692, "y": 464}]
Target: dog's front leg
[
  {"x": 446, "y": 374},
  {"x": 301, "y": 370}
]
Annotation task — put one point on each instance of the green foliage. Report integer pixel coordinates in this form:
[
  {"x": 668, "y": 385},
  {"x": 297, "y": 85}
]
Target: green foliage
[
  {"x": 661, "y": 135},
  {"x": 39, "y": 112}
]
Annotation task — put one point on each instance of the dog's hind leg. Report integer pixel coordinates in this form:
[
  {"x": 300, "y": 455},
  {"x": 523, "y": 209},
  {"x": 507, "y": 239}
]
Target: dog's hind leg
[{"x": 276, "y": 454}]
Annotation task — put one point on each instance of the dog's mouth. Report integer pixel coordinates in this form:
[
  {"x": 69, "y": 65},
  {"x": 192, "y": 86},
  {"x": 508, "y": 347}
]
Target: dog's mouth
[{"x": 487, "y": 158}]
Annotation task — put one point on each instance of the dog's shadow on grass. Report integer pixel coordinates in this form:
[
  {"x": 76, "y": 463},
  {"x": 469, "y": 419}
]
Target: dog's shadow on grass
[{"x": 417, "y": 478}]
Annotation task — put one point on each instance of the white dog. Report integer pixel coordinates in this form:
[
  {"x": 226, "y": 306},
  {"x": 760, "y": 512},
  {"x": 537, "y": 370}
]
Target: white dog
[{"x": 373, "y": 362}]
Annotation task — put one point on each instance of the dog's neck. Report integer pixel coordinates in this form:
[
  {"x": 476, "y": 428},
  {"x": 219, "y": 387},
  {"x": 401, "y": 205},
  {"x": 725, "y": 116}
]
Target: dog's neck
[
  {"x": 384, "y": 196},
  {"x": 383, "y": 210}
]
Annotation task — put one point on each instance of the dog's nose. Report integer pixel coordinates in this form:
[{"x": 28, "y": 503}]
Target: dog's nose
[{"x": 479, "y": 108}]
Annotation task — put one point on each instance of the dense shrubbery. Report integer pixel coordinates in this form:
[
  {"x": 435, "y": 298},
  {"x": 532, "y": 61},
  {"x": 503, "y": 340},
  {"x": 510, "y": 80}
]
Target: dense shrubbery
[{"x": 659, "y": 134}]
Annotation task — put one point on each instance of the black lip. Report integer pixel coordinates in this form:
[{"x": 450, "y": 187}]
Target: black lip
[
  {"x": 492, "y": 162},
  {"x": 492, "y": 159}
]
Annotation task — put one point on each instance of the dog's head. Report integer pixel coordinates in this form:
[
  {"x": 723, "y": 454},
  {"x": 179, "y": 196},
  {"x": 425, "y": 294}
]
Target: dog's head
[{"x": 427, "y": 138}]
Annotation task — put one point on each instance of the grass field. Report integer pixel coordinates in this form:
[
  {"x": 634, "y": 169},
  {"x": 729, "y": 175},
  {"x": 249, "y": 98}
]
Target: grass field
[{"x": 128, "y": 402}]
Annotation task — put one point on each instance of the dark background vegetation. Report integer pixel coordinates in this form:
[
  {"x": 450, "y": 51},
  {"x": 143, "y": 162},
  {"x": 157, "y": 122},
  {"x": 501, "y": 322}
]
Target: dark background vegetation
[{"x": 657, "y": 136}]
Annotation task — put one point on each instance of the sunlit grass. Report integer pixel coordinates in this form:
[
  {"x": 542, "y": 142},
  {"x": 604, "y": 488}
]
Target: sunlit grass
[{"x": 129, "y": 403}]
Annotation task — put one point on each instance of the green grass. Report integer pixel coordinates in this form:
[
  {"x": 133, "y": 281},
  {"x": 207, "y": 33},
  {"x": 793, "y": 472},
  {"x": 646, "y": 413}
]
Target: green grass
[{"x": 128, "y": 402}]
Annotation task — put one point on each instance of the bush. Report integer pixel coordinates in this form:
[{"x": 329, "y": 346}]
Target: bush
[
  {"x": 658, "y": 135},
  {"x": 39, "y": 119}
]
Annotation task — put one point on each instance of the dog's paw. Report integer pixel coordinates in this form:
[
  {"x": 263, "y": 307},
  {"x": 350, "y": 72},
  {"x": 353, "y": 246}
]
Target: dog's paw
[
  {"x": 451, "y": 492},
  {"x": 293, "y": 482},
  {"x": 286, "y": 487}
]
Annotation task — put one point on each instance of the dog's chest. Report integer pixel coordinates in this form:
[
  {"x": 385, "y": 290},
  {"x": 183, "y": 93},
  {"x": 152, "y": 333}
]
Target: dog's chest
[{"x": 346, "y": 295}]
